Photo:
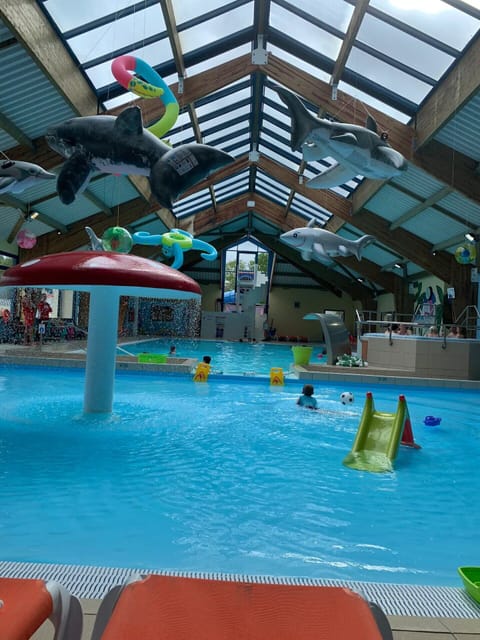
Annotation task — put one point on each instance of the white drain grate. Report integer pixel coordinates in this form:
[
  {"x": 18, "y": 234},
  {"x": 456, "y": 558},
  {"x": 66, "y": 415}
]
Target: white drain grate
[{"x": 394, "y": 599}]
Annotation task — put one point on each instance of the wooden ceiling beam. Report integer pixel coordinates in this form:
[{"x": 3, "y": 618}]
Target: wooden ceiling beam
[
  {"x": 459, "y": 85},
  {"x": 30, "y": 26},
  {"x": 348, "y": 41}
]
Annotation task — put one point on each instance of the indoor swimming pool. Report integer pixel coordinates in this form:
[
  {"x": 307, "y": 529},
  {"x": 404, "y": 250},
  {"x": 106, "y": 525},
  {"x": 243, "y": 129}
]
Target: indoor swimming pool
[
  {"x": 244, "y": 358},
  {"x": 231, "y": 476}
]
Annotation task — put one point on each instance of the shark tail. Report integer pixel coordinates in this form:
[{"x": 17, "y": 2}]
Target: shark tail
[
  {"x": 303, "y": 122},
  {"x": 360, "y": 245}
]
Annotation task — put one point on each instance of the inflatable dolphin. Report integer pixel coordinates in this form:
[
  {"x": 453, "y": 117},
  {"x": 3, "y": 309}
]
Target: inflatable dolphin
[
  {"x": 120, "y": 145},
  {"x": 323, "y": 245},
  {"x": 358, "y": 150},
  {"x": 17, "y": 176}
]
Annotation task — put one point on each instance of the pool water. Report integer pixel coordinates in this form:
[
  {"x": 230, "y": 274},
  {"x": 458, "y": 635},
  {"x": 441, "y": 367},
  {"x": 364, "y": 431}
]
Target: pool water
[
  {"x": 244, "y": 358},
  {"x": 231, "y": 476}
]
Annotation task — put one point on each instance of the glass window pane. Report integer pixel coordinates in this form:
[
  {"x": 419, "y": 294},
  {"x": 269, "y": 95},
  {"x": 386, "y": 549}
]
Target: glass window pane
[
  {"x": 304, "y": 31},
  {"x": 403, "y": 47},
  {"x": 388, "y": 77},
  {"x": 70, "y": 15},
  {"x": 435, "y": 18},
  {"x": 120, "y": 33},
  {"x": 215, "y": 29}
]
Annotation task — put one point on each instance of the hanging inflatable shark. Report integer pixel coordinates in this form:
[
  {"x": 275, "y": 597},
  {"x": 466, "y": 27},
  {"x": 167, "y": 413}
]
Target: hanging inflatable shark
[
  {"x": 17, "y": 176},
  {"x": 323, "y": 245},
  {"x": 358, "y": 150},
  {"x": 120, "y": 145}
]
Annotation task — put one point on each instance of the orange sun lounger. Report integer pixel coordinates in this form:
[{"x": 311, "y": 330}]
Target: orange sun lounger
[
  {"x": 25, "y": 605},
  {"x": 174, "y": 608}
]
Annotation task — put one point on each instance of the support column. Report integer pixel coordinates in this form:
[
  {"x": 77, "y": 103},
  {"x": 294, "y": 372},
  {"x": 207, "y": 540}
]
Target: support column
[{"x": 101, "y": 350}]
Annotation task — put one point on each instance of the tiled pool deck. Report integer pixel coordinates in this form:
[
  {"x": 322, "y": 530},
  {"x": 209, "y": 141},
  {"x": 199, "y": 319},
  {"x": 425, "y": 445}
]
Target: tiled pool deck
[{"x": 414, "y": 612}]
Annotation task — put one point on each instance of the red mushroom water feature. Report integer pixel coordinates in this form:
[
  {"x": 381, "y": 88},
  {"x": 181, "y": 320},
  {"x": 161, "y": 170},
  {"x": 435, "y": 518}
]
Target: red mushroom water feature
[{"x": 106, "y": 276}]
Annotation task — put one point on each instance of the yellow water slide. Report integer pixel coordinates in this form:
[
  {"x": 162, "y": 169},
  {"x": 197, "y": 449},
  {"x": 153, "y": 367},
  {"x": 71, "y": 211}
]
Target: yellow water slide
[{"x": 378, "y": 437}]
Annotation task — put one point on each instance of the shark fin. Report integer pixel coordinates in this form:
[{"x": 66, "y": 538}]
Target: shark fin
[
  {"x": 73, "y": 177},
  {"x": 331, "y": 177},
  {"x": 346, "y": 138},
  {"x": 303, "y": 122},
  {"x": 95, "y": 242},
  {"x": 129, "y": 122},
  {"x": 360, "y": 244},
  {"x": 311, "y": 223},
  {"x": 371, "y": 124}
]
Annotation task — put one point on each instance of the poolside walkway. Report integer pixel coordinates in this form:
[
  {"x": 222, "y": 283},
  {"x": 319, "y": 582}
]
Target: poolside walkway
[{"x": 414, "y": 612}]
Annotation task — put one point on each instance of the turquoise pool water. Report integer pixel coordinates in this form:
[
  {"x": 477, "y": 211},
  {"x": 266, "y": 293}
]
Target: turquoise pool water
[
  {"x": 231, "y": 476},
  {"x": 245, "y": 358}
]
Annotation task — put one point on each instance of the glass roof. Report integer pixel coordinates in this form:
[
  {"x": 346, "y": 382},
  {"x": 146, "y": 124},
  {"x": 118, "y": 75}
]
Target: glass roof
[{"x": 395, "y": 59}]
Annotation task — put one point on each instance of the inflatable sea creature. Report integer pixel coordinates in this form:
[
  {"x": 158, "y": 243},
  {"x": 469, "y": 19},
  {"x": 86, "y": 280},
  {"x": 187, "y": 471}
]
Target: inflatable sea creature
[
  {"x": 115, "y": 239},
  {"x": 323, "y": 245},
  {"x": 174, "y": 243},
  {"x": 120, "y": 145},
  {"x": 358, "y": 150},
  {"x": 137, "y": 76},
  {"x": 17, "y": 176}
]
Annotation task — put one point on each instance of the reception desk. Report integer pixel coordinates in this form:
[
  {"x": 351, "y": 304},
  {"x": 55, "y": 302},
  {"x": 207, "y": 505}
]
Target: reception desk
[{"x": 457, "y": 358}]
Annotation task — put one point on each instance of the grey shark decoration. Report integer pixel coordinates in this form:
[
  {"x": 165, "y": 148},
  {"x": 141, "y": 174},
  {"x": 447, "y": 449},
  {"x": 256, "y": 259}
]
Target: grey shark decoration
[
  {"x": 323, "y": 245},
  {"x": 95, "y": 242},
  {"x": 358, "y": 150},
  {"x": 17, "y": 176},
  {"x": 120, "y": 145}
]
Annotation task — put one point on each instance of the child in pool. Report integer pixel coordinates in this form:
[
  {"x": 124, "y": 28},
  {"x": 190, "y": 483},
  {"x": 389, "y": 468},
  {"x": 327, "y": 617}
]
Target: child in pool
[{"x": 306, "y": 399}]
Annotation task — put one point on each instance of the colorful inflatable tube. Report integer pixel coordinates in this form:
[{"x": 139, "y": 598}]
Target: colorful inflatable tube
[{"x": 137, "y": 76}]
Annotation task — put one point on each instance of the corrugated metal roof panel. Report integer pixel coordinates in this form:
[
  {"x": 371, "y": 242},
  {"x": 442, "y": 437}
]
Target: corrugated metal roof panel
[
  {"x": 389, "y": 203},
  {"x": 433, "y": 226},
  {"x": 34, "y": 111},
  {"x": 417, "y": 181},
  {"x": 462, "y": 132},
  {"x": 463, "y": 207},
  {"x": 113, "y": 190}
]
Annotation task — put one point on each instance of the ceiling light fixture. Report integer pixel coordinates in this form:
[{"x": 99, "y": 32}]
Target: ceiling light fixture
[{"x": 470, "y": 237}]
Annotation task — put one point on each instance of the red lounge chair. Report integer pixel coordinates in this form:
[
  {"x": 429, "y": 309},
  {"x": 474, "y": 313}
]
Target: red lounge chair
[
  {"x": 26, "y": 604},
  {"x": 172, "y": 608}
]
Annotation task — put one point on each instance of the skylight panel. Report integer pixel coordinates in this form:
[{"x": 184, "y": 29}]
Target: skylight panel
[
  {"x": 232, "y": 132},
  {"x": 188, "y": 9},
  {"x": 69, "y": 15},
  {"x": 299, "y": 63},
  {"x": 225, "y": 101},
  {"x": 433, "y": 17},
  {"x": 117, "y": 34},
  {"x": 238, "y": 149},
  {"x": 263, "y": 177},
  {"x": 271, "y": 151},
  {"x": 215, "y": 61},
  {"x": 386, "y": 76},
  {"x": 373, "y": 102},
  {"x": 217, "y": 120},
  {"x": 214, "y": 29},
  {"x": 305, "y": 31},
  {"x": 334, "y": 12},
  {"x": 312, "y": 206},
  {"x": 403, "y": 47}
]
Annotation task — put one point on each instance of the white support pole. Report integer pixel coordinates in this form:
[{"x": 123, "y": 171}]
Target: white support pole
[{"x": 101, "y": 349}]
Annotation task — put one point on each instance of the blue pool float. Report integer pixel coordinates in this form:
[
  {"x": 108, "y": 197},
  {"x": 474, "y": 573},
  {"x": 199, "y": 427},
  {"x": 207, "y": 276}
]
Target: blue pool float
[{"x": 431, "y": 421}]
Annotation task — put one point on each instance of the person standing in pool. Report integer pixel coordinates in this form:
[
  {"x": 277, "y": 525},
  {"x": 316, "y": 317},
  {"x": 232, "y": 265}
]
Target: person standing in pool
[{"x": 306, "y": 399}]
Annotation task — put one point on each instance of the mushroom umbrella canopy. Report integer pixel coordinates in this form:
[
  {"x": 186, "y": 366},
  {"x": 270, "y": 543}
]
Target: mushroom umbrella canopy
[{"x": 106, "y": 276}]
